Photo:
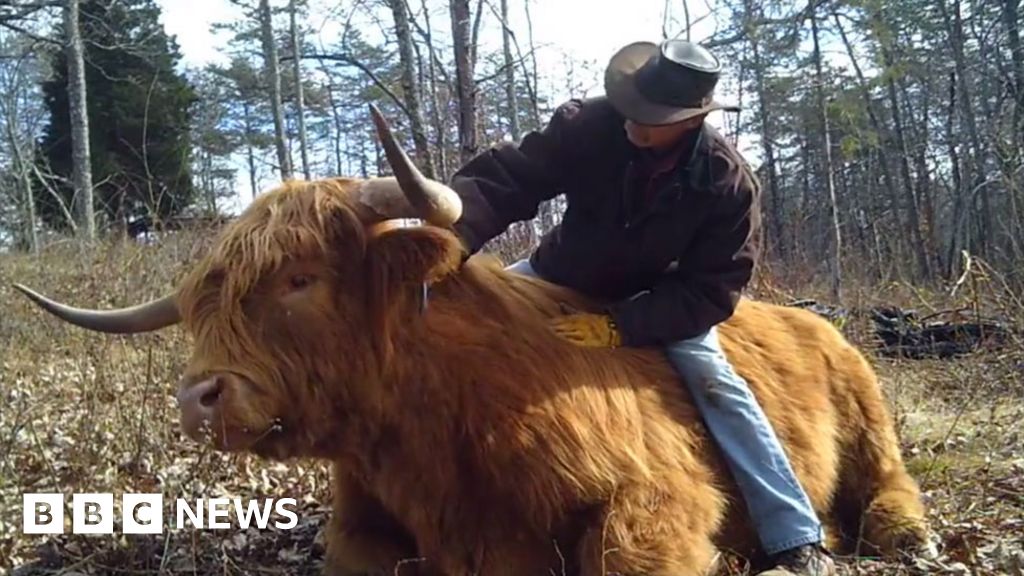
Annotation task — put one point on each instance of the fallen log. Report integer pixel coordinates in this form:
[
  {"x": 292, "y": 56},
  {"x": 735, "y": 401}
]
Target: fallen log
[{"x": 901, "y": 333}]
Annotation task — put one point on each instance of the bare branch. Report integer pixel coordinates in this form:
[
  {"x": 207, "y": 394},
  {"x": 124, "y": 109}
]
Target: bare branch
[
  {"x": 11, "y": 26},
  {"x": 27, "y": 9},
  {"x": 501, "y": 69},
  {"x": 345, "y": 58}
]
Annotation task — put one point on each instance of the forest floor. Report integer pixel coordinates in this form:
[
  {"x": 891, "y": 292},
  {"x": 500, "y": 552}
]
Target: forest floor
[{"x": 80, "y": 412}]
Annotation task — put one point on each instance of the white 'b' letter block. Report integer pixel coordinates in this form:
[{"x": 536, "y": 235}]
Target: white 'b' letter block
[
  {"x": 43, "y": 513},
  {"x": 93, "y": 513}
]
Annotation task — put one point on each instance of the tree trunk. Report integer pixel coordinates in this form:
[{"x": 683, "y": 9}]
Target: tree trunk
[
  {"x": 883, "y": 134},
  {"x": 250, "y": 155},
  {"x": 81, "y": 164},
  {"x": 767, "y": 137},
  {"x": 954, "y": 27},
  {"x": 510, "y": 73},
  {"x": 874, "y": 246},
  {"x": 1011, "y": 19},
  {"x": 534, "y": 85},
  {"x": 30, "y": 206},
  {"x": 274, "y": 79},
  {"x": 211, "y": 182},
  {"x": 300, "y": 104},
  {"x": 465, "y": 88},
  {"x": 800, "y": 228},
  {"x": 410, "y": 91},
  {"x": 919, "y": 133},
  {"x": 956, "y": 231},
  {"x": 23, "y": 168},
  {"x": 338, "y": 131},
  {"x": 437, "y": 119},
  {"x": 474, "y": 37},
  {"x": 903, "y": 153},
  {"x": 836, "y": 251}
]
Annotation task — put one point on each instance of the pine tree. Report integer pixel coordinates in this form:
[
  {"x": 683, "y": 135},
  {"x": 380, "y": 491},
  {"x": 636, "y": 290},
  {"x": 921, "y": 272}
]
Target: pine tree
[{"x": 139, "y": 110}]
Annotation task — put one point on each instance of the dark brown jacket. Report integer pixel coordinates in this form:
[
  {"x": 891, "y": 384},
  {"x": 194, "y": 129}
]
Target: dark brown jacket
[{"x": 671, "y": 262}]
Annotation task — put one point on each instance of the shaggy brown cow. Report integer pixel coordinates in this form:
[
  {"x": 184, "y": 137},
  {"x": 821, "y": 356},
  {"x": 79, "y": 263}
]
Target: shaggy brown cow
[{"x": 467, "y": 435}]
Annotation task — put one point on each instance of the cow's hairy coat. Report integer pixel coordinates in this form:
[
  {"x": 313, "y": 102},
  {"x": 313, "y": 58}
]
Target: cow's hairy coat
[{"x": 465, "y": 434}]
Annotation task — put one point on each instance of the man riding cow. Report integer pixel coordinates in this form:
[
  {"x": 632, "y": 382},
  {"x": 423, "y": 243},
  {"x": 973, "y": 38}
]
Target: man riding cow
[{"x": 662, "y": 219}]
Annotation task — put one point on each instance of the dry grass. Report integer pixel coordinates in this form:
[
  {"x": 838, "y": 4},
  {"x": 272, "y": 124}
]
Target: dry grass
[{"x": 81, "y": 412}]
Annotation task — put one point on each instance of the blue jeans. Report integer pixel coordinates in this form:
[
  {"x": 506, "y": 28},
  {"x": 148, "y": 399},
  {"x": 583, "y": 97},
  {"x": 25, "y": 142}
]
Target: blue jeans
[{"x": 781, "y": 511}]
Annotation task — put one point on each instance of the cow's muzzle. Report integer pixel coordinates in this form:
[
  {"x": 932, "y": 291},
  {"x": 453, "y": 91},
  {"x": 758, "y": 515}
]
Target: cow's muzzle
[{"x": 204, "y": 413}]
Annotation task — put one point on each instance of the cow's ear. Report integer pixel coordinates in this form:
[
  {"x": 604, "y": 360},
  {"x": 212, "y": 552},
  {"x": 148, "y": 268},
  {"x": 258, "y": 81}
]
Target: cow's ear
[{"x": 420, "y": 254}]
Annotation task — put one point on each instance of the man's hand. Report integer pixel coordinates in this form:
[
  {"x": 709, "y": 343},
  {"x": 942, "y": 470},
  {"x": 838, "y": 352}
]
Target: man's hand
[{"x": 596, "y": 330}]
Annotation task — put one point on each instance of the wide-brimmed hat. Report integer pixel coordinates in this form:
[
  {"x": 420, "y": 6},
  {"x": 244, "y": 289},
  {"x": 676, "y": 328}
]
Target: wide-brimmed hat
[{"x": 662, "y": 84}]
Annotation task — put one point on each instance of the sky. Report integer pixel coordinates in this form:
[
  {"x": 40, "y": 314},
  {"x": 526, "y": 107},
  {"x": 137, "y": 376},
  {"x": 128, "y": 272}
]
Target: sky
[
  {"x": 561, "y": 27},
  {"x": 575, "y": 38}
]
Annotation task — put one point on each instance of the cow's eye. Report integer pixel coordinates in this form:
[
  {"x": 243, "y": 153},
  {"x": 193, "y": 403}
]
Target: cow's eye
[{"x": 300, "y": 281}]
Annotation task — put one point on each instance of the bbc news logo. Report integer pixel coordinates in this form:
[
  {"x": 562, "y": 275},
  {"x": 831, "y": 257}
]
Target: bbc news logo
[{"x": 94, "y": 513}]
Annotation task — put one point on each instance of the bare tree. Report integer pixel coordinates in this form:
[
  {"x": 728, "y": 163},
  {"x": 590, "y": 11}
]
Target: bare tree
[
  {"x": 535, "y": 84},
  {"x": 410, "y": 91},
  {"x": 77, "y": 98},
  {"x": 878, "y": 127},
  {"x": 465, "y": 86},
  {"x": 767, "y": 135},
  {"x": 300, "y": 105},
  {"x": 510, "y": 75},
  {"x": 835, "y": 254},
  {"x": 23, "y": 170},
  {"x": 274, "y": 79},
  {"x": 437, "y": 119},
  {"x": 1011, "y": 19},
  {"x": 903, "y": 156},
  {"x": 954, "y": 27},
  {"x": 337, "y": 129},
  {"x": 20, "y": 122}
]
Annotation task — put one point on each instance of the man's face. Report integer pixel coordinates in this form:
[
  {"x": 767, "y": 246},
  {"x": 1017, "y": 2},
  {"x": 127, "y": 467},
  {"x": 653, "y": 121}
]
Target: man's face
[{"x": 660, "y": 137}]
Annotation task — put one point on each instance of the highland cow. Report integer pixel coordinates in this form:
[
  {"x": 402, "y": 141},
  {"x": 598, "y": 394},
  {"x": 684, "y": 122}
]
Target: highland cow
[{"x": 462, "y": 432}]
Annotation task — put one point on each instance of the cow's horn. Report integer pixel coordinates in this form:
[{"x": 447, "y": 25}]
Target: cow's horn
[
  {"x": 431, "y": 200},
  {"x": 152, "y": 315}
]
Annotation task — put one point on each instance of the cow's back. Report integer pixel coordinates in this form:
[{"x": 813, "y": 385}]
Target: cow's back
[{"x": 553, "y": 434}]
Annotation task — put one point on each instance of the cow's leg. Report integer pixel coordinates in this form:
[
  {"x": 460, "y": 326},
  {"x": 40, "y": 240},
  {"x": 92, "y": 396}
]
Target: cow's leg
[
  {"x": 893, "y": 519},
  {"x": 362, "y": 537},
  {"x": 654, "y": 530},
  {"x": 879, "y": 503}
]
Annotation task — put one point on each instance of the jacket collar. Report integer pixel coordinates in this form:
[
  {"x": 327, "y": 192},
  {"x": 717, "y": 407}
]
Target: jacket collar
[
  {"x": 688, "y": 173},
  {"x": 681, "y": 154},
  {"x": 698, "y": 166}
]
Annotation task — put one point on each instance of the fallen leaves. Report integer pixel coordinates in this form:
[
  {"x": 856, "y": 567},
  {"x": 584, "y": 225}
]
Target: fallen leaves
[{"x": 82, "y": 414}]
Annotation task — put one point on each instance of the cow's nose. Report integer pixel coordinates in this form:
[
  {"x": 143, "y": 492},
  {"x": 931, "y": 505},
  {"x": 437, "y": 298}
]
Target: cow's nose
[{"x": 199, "y": 402}]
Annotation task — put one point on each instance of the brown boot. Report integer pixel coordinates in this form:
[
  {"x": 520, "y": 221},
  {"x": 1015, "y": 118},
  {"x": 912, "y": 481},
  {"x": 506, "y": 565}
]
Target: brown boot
[{"x": 809, "y": 560}]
